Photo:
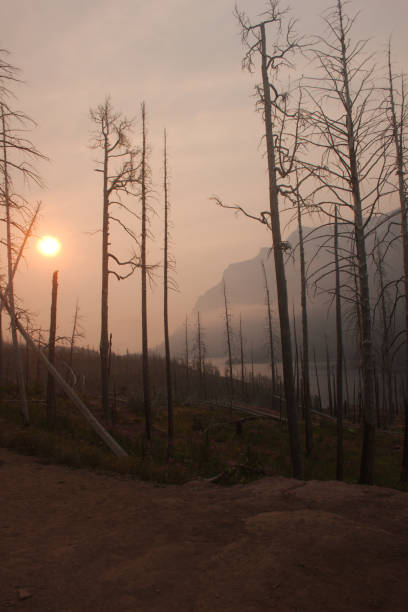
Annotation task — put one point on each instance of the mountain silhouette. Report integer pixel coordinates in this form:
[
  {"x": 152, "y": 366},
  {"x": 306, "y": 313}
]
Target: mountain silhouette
[{"x": 245, "y": 286}]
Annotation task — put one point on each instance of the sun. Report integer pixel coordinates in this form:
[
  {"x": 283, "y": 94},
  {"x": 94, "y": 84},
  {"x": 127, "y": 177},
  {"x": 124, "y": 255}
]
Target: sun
[{"x": 49, "y": 246}]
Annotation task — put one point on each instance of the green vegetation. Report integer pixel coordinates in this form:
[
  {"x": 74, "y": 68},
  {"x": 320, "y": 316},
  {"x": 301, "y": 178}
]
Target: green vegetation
[{"x": 210, "y": 443}]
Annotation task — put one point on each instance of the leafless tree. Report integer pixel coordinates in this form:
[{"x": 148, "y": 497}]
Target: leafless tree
[
  {"x": 388, "y": 298},
  {"x": 75, "y": 334},
  {"x": 339, "y": 353},
  {"x": 200, "y": 352},
  {"x": 347, "y": 125},
  {"x": 270, "y": 329},
  {"x": 281, "y": 151},
  {"x": 228, "y": 338},
  {"x": 241, "y": 351},
  {"x": 397, "y": 107},
  {"x": 51, "y": 395},
  {"x": 17, "y": 154},
  {"x": 306, "y": 400},
  {"x": 169, "y": 266},
  {"x": 145, "y": 190},
  {"x": 120, "y": 174},
  {"x": 186, "y": 347}
]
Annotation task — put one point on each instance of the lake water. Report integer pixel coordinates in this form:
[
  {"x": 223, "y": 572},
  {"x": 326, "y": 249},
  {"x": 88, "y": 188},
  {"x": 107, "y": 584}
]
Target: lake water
[{"x": 264, "y": 369}]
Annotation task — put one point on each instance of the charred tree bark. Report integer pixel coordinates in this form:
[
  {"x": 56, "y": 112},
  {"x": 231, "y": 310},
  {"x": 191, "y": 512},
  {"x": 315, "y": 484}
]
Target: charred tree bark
[
  {"x": 398, "y": 126},
  {"x": 270, "y": 330},
  {"x": 104, "y": 341},
  {"x": 200, "y": 352},
  {"x": 145, "y": 348},
  {"x": 170, "y": 417},
  {"x": 51, "y": 394},
  {"x": 2, "y": 380},
  {"x": 187, "y": 355},
  {"x": 353, "y": 173},
  {"x": 287, "y": 361},
  {"x": 119, "y": 176},
  {"x": 339, "y": 355},
  {"x": 241, "y": 350},
  {"x": 305, "y": 340},
  {"x": 227, "y": 316},
  {"x": 74, "y": 335},
  {"x": 10, "y": 275}
]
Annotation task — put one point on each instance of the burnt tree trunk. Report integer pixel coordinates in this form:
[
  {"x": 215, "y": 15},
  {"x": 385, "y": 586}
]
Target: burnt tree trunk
[
  {"x": 51, "y": 394},
  {"x": 339, "y": 355},
  {"x": 170, "y": 418},
  {"x": 287, "y": 362},
  {"x": 397, "y": 126},
  {"x": 305, "y": 341},
  {"x": 270, "y": 330},
  {"x": 10, "y": 275},
  {"x": 145, "y": 349}
]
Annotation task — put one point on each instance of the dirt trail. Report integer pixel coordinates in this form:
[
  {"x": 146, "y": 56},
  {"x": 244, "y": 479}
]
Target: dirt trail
[{"x": 76, "y": 541}]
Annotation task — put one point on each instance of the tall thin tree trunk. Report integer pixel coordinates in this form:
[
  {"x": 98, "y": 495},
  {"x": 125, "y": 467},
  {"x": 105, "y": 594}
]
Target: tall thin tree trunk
[
  {"x": 317, "y": 381},
  {"x": 73, "y": 335},
  {"x": 10, "y": 275},
  {"x": 27, "y": 362},
  {"x": 339, "y": 355},
  {"x": 2, "y": 380},
  {"x": 305, "y": 339},
  {"x": 51, "y": 395},
  {"x": 200, "y": 353},
  {"x": 368, "y": 453},
  {"x": 270, "y": 330},
  {"x": 347, "y": 403},
  {"x": 104, "y": 341},
  {"x": 295, "y": 448},
  {"x": 187, "y": 356},
  {"x": 252, "y": 374},
  {"x": 241, "y": 347},
  {"x": 400, "y": 148},
  {"x": 229, "y": 340},
  {"x": 170, "y": 418},
  {"x": 145, "y": 353},
  {"x": 297, "y": 369},
  {"x": 328, "y": 375}
]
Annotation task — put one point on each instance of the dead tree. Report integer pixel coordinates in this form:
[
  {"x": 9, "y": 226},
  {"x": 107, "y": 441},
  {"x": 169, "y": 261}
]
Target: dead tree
[
  {"x": 187, "y": 358},
  {"x": 387, "y": 307},
  {"x": 76, "y": 400},
  {"x": 169, "y": 265},
  {"x": 348, "y": 127},
  {"x": 51, "y": 407},
  {"x": 270, "y": 330},
  {"x": 307, "y": 408},
  {"x": 120, "y": 174},
  {"x": 228, "y": 337},
  {"x": 241, "y": 351},
  {"x": 76, "y": 333},
  {"x": 281, "y": 148},
  {"x": 200, "y": 351},
  {"x": 17, "y": 154},
  {"x": 398, "y": 119},
  {"x": 144, "y": 186},
  {"x": 339, "y": 354}
]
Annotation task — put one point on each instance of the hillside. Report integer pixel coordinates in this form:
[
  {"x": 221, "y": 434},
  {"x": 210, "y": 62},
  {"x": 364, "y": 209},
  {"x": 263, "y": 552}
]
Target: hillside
[
  {"x": 75, "y": 540},
  {"x": 246, "y": 291}
]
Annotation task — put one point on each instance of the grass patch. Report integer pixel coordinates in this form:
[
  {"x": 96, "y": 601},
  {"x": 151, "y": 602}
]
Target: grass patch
[{"x": 209, "y": 444}]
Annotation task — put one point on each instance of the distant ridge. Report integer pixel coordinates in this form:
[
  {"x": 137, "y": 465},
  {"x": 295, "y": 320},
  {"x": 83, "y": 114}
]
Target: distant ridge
[{"x": 246, "y": 294}]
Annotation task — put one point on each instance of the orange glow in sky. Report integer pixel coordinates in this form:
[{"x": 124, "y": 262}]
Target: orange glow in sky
[{"x": 49, "y": 246}]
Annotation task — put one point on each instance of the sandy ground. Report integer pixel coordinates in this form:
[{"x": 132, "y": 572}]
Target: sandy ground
[{"x": 74, "y": 540}]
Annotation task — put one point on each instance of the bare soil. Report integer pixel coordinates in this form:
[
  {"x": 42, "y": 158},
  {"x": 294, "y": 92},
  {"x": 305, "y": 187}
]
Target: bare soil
[{"x": 75, "y": 540}]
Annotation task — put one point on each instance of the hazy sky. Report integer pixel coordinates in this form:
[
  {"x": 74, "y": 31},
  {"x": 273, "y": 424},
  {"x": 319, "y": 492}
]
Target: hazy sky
[{"x": 183, "y": 58}]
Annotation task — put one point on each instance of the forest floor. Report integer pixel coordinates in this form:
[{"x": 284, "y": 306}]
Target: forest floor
[{"x": 74, "y": 540}]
